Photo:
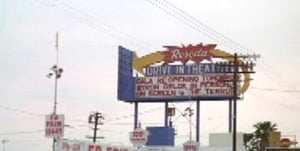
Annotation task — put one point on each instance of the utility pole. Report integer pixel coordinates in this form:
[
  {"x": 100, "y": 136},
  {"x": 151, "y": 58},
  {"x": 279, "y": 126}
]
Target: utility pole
[
  {"x": 56, "y": 71},
  {"x": 244, "y": 63},
  {"x": 96, "y": 119},
  {"x": 241, "y": 64}
]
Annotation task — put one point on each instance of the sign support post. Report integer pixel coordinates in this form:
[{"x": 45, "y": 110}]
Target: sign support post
[
  {"x": 198, "y": 121},
  {"x": 136, "y": 111},
  {"x": 230, "y": 116},
  {"x": 166, "y": 113},
  {"x": 235, "y": 78}
]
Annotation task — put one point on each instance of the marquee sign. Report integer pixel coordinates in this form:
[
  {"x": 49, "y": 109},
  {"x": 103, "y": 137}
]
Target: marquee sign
[
  {"x": 204, "y": 85},
  {"x": 187, "y": 69},
  {"x": 177, "y": 74}
]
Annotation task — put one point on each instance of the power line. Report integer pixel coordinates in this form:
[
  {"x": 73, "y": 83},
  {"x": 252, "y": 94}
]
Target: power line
[
  {"x": 20, "y": 111},
  {"x": 175, "y": 12},
  {"x": 277, "y": 90},
  {"x": 194, "y": 23},
  {"x": 95, "y": 23},
  {"x": 131, "y": 115},
  {"x": 23, "y": 132},
  {"x": 281, "y": 104},
  {"x": 167, "y": 7}
]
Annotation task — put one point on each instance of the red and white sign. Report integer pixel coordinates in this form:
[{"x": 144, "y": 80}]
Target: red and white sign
[
  {"x": 139, "y": 136},
  {"x": 76, "y": 145},
  {"x": 183, "y": 54},
  {"x": 191, "y": 146},
  {"x": 54, "y": 126},
  {"x": 286, "y": 142},
  {"x": 185, "y": 85},
  {"x": 67, "y": 145}
]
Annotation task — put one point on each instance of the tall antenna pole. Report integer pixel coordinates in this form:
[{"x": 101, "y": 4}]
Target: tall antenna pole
[
  {"x": 55, "y": 83},
  {"x": 55, "y": 79},
  {"x": 56, "y": 71}
]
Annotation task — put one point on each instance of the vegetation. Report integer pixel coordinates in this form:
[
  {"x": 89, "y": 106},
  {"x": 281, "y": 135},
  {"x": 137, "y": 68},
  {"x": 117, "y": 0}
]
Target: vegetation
[{"x": 258, "y": 140}]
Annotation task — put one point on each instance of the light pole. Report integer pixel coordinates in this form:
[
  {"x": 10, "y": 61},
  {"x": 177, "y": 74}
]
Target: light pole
[
  {"x": 189, "y": 112},
  {"x": 56, "y": 71}
]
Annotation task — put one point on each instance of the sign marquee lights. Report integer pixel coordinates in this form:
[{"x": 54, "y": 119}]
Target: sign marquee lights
[{"x": 181, "y": 75}]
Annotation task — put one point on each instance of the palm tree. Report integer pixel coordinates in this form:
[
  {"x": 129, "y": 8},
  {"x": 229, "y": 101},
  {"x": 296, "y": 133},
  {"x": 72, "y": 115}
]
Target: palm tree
[
  {"x": 258, "y": 140},
  {"x": 262, "y": 132}
]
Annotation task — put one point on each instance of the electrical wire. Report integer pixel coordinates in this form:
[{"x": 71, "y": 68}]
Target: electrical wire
[
  {"x": 167, "y": 7},
  {"x": 131, "y": 115},
  {"x": 180, "y": 15},
  {"x": 170, "y": 8},
  {"x": 20, "y": 111},
  {"x": 194, "y": 23},
  {"x": 276, "y": 90},
  {"x": 95, "y": 23},
  {"x": 23, "y": 132}
]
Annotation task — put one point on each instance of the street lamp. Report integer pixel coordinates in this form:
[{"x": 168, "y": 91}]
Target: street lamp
[
  {"x": 57, "y": 72},
  {"x": 189, "y": 112}
]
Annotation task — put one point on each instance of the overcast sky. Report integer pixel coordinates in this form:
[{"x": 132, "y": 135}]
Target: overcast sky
[{"x": 90, "y": 33}]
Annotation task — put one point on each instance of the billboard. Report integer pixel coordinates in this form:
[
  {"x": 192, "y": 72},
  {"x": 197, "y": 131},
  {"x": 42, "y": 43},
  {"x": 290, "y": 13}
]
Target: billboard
[{"x": 177, "y": 74}]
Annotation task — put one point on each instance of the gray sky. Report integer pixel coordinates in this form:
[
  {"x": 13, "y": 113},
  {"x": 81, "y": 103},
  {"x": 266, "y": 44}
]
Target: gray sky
[{"x": 90, "y": 32}]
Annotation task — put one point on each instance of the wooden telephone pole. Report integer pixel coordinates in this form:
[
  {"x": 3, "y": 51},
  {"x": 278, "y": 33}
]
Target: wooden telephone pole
[
  {"x": 241, "y": 64},
  {"x": 96, "y": 119}
]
